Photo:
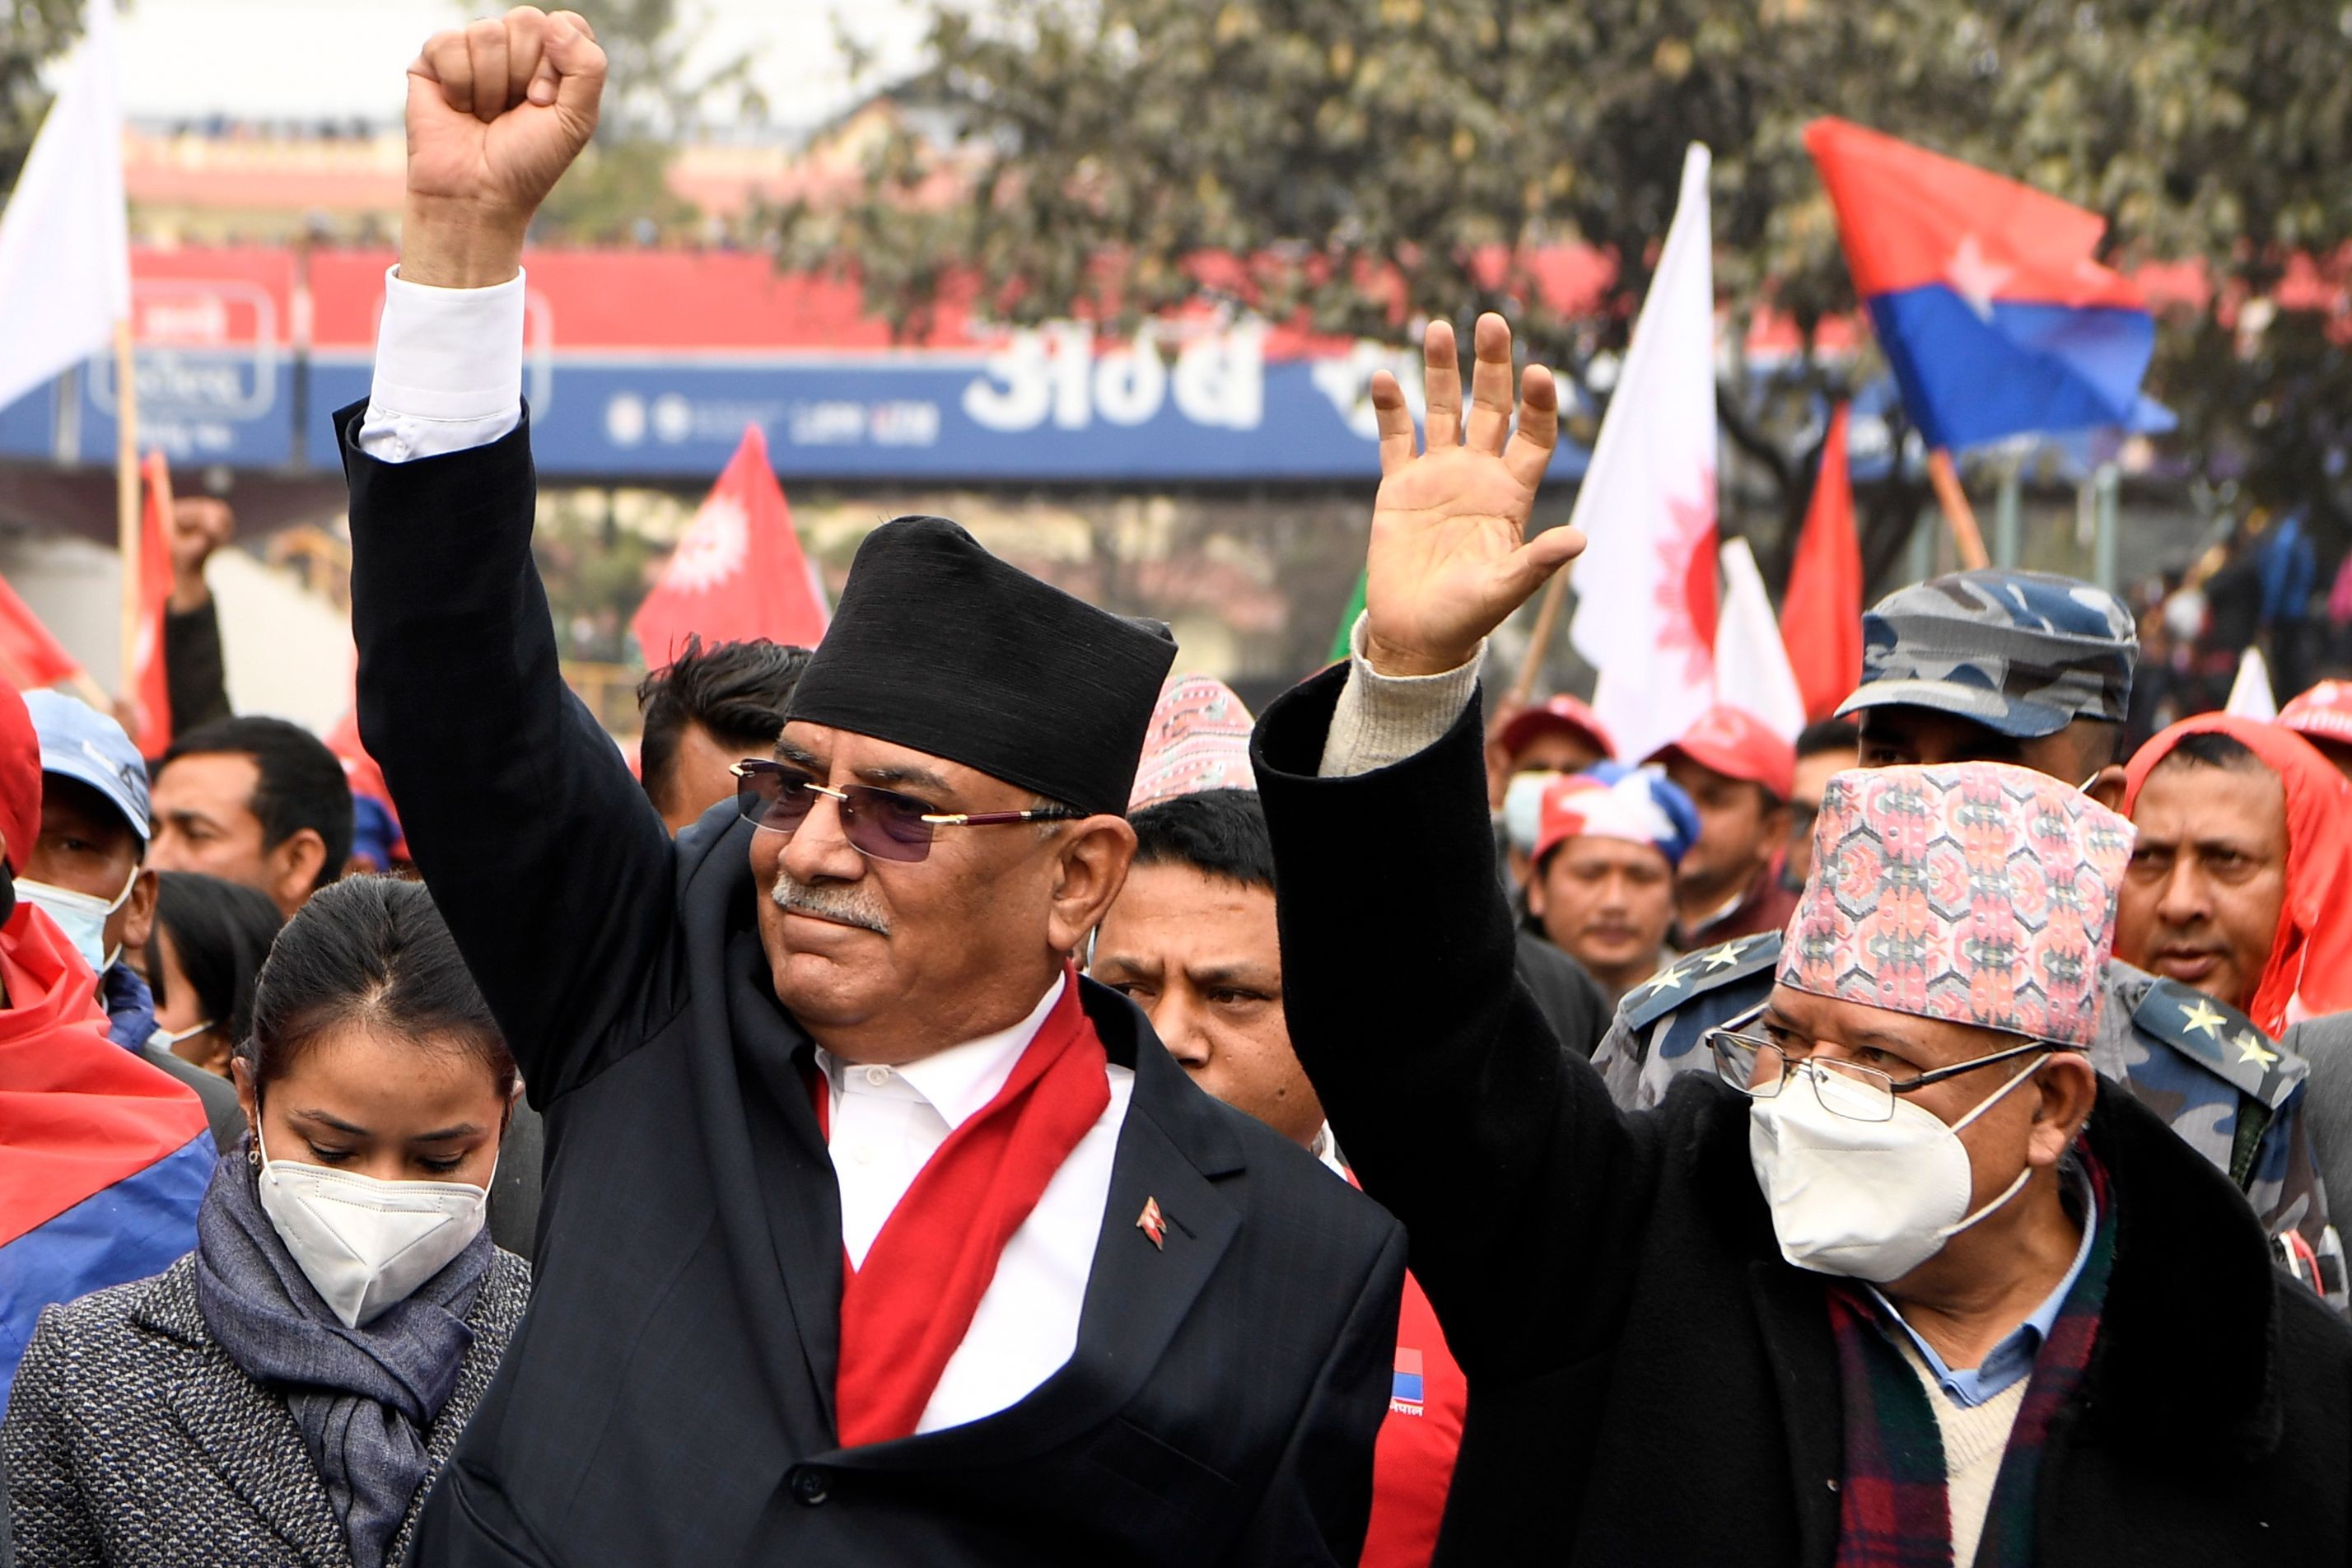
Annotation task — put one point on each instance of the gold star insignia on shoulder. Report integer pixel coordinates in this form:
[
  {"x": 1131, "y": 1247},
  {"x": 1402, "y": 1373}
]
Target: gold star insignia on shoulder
[
  {"x": 1726, "y": 957},
  {"x": 2252, "y": 1049},
  {"x": 2203, "y": 1015}
]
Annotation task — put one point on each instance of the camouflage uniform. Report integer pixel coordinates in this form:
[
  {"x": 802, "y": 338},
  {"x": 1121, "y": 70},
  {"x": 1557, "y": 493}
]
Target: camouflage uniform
[{"x": 2026, "y": 654}]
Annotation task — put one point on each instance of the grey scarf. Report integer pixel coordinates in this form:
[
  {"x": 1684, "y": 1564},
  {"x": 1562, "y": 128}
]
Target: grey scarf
[{"x": 364, "y": 1397}]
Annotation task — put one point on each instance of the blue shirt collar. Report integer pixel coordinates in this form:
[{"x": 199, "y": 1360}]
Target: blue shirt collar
[{"x": 2011, "y": 1360}]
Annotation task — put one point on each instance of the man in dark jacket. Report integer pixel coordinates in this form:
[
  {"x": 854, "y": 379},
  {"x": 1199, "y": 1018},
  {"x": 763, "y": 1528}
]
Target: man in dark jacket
[
  {"x": 871, "y": 1234},
  {"x": 1748, "y": 1299}
]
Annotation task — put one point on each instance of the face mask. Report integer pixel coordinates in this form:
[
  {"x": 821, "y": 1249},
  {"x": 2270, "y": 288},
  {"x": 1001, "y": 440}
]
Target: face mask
[
  {"x": 1870, "y": 1200},
  {"x": 81, "y": 917},
  {"x": 364, "y": 1244}
]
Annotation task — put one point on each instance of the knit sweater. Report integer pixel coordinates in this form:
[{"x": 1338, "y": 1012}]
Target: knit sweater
[{"x": 1975, "y": 1439}]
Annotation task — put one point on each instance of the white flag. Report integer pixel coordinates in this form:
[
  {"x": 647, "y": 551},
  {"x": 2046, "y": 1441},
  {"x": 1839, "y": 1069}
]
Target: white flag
[
  {"x": 1645, "y": 606},
  {"x": 2250, "y": 695},
  {"x": 65, "y": 258},
  {"x": 1751, "y": 663}
]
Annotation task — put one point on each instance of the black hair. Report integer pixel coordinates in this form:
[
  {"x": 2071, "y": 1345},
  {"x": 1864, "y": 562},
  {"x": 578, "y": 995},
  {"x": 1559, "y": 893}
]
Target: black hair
[
  {"x": 739, "y": 692},
  {"x": 2214, "y": 749},
  {"x": 221, "y": 931},
  {"x": 1830, "y": 735},
  {"x": 302, "y": 783},
  {"x": 1218, "y": 832},
  {"x": 371, "y": 953}
]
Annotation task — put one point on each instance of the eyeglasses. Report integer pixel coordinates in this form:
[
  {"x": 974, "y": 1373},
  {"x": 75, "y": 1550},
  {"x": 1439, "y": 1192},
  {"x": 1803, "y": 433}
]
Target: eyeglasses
[
  {"x": 1759, "y": 1068},
  {"x": 880, "y": 823}
]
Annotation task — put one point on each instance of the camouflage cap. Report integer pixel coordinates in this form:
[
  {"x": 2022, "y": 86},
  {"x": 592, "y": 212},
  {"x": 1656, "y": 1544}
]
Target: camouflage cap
[{"x": 2023, "y": 653}]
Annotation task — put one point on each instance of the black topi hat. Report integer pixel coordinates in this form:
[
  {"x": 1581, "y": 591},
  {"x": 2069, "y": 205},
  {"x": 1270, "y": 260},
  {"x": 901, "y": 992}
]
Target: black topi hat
[{"x": 938, "y": 646}]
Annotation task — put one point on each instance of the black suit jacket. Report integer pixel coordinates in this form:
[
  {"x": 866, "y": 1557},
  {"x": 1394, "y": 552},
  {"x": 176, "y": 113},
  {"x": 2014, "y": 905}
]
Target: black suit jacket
[
  {"x": 1649, "y": 1382},
  {"x": 669, "y": 1397}
]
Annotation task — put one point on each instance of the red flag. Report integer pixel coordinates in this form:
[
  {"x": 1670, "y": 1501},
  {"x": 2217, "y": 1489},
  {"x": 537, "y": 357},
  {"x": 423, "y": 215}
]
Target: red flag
[
  {"x": 738, "y": 573},
  {"x": 30, "y": 656},
  {"x": 1820, "y": 617},
  {"x": 150, "y": 687}
]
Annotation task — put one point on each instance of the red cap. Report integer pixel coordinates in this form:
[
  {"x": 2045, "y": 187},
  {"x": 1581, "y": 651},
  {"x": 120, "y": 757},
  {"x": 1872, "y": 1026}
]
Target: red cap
[
  {"x": 1562, "y": 715},
  {"x": 1739, "y": 745},
  {"x": 2322, "y": 713},
  {"x": 20, "y": 777}
]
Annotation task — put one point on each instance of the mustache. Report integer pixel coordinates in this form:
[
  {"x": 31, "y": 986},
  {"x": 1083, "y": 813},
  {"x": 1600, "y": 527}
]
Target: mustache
[{"x": 844, "y": 906}]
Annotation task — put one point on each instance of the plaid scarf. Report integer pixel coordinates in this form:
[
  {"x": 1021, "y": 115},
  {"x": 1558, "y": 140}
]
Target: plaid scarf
[{"x": 1892, "y": 1508}]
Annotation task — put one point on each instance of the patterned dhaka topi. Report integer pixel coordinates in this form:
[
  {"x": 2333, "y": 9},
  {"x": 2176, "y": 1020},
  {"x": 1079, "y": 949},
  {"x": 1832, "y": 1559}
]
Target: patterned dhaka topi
[
  {"x": 1198, "y": 739},
  {"x": 1973, "y": 892}
]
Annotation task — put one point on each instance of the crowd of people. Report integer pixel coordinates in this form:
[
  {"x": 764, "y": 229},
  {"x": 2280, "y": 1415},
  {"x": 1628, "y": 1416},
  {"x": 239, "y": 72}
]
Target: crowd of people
[{"x": 977, "y": 1097}]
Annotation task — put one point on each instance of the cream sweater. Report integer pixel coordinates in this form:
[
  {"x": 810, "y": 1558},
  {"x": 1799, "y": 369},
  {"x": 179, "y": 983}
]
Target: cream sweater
[{"x": 1974, "y": 1440}]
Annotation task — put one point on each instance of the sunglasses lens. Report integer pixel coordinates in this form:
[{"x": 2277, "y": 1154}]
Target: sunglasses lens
[
  {"x": 776, "y": 800},
  {"x": 887, "y": 825}
]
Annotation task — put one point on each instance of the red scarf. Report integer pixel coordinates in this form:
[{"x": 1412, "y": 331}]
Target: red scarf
[
  {"x": 2310, "y": 967},
  {"x": 905, "y": 1312}
]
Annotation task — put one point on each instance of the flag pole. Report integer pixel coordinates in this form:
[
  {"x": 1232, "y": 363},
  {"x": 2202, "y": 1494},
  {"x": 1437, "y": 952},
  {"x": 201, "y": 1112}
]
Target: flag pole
[
  {"x": 1966, "y": 536},
  {"x": 1547, "y": 616},
  {"x": 126, "y": 500}
]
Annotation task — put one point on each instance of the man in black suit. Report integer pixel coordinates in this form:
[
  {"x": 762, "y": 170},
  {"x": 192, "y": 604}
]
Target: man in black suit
[{"x": 871, "y": 1235}]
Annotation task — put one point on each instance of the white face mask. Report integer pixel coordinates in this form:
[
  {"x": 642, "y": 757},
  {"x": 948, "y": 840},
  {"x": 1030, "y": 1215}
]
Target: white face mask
[
  {"x": 81, "y": 916},
  {"x": 1870, "y": 1200},
  {"x": 366, "y": 1244}
]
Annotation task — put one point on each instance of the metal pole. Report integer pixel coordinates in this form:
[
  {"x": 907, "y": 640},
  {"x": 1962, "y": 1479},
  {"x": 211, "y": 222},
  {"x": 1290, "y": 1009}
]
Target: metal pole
[
  {"x": 2008, "y": 529},
  {"x": 2107, "y": 486}
]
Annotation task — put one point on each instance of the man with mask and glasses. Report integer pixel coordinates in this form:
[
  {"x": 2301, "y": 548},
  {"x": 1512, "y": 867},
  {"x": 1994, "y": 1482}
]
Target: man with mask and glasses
[
  {"x": 1899, "y": 1281},
  {"x": 2024, "y": 667},
  {"x": 872, "y": 1233}
]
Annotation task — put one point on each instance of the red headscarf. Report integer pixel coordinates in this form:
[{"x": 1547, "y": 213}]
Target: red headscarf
[{"x": 2310, "y": 967}]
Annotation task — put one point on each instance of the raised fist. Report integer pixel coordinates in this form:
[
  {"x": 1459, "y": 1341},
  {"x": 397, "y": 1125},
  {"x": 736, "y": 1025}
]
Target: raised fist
[
  {"x": 199, "y": 526},
  {"x": 497, "y": 112}
]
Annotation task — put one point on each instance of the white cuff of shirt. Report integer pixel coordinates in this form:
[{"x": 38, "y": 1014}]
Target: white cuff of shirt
[
  {"x": 1384, "y": 718},
  {"x": 448, "y": 369}
]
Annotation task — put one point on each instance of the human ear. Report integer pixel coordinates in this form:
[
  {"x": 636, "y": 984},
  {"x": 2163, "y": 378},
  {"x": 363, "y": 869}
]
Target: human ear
[
  {"x": 2067, "y": 1088},
  {"x": 1091, "y": 861},
  {"x": 248, "y": 1097},
  {"x": 2107, "y": 787},
  {"x": 299, "y": 860},
  {"x": 139, "y": 912}
]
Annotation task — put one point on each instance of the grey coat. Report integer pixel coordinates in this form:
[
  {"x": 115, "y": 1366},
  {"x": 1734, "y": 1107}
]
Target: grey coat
[{"x": 133, "y": 1439}]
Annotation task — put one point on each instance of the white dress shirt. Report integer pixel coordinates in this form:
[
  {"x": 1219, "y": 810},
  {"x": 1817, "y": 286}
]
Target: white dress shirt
[
  {"x": 448, "y": 377},
  {"x": 887, "y": 1123}
]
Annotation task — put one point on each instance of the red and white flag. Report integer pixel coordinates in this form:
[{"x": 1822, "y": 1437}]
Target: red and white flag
[
  {"x": 30, "y": 654},
  {"x": 1752, "y": 666},
  {"x": 1821, "y": 613},
  {"x": 1645, "y": 588},
  {"x": 738, "y": 573},
  {"x": 149, "y": 684}
]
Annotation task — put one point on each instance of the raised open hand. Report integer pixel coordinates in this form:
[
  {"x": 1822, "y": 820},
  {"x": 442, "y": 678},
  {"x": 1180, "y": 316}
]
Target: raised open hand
[
  {"x": 1450, "y": 557},
  {"x": 497, "y": 112}
]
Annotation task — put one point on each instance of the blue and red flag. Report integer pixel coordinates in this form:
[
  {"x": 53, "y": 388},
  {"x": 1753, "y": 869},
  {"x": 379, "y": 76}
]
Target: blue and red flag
[
  {"x": 1987, "y": 301},
  {"x": 103, "y": 1158}
]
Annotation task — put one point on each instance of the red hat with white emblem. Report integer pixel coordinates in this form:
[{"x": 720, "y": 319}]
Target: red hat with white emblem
[
  {"x": 1562, "y": 715},
  {"x": 2322, "y": 713},
  {"x": 1739, "y": 745}
]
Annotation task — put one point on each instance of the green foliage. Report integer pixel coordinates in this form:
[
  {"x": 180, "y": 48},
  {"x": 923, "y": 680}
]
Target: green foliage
[
  {"x": 1378, "y": 160},
  {"x": 33, "y": 32}
]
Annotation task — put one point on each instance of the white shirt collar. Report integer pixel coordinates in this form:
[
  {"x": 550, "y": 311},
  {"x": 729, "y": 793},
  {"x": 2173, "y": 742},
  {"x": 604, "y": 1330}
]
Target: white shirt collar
[{"x": 959, "y": 1082}]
